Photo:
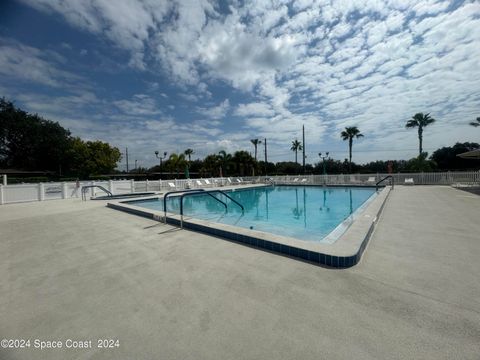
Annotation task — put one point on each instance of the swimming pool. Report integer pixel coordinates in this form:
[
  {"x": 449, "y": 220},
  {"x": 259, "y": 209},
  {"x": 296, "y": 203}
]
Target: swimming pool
[{"x": 310, "y": 213}]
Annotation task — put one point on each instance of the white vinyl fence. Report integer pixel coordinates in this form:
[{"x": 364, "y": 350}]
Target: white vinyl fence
[
  {"x": 59, "y": 190},
  {"x": 66, "y": 190},
  {"x": 440, "y": 178}
]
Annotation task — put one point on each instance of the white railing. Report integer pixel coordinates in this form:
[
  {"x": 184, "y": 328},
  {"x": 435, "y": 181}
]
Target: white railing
[
  {"x": 59, "y": 190},
  {"x": 66, "y": 190},
  {"x": 440, "y": 178}
]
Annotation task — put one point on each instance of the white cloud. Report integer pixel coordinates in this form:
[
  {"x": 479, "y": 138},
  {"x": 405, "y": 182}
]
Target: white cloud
[
  {"x": 34, "y": 65},
  {"x": 319, "y": 63},
  {"x": 140, "y": 104},
  {"x": 216, "y": 112},
  {"x": 254, "y": 109}
]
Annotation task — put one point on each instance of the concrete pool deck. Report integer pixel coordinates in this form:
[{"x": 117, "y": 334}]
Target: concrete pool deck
[{"x": 73, "y": 270}]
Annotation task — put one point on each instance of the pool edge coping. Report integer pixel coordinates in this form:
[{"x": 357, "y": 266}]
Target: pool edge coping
[{"x": 343, "y": 253}]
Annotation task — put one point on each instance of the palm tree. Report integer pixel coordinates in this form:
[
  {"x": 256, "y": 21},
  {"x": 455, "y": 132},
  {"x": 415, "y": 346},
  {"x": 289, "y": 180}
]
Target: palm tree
[
  {"x": 243, "y": 161},
  {"x": 349, "y": 134},
  {"x": 225, "y": 161},
  {"x": 255, "y": 143},
  {"x": 210, "y": 165},
  {"x": 420, "y": 120},
  {"x": 476, "y": 123},
  {"x": 296, "y": 147},
  {"x": 189, "y": 153},
  {"x": 177, "y": 162}
]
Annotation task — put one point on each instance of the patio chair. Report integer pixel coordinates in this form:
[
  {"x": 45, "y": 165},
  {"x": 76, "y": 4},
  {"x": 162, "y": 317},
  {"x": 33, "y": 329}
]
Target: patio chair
[
  {"x": 354, "y": 180},
  {"x": 199, "y": 183},
  {"x": 371, "y": 180},
  {"x": 296, "y": 180},
  {"x": 171, "y": 185},
  {"x": 207, "y": 182},
  {"x": 304, "y": 180},
  {"x": 409, "y": 181}
]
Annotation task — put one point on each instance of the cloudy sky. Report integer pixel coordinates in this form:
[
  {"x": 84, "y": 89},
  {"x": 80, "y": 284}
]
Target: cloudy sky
[{"x": 211, "y": 75}]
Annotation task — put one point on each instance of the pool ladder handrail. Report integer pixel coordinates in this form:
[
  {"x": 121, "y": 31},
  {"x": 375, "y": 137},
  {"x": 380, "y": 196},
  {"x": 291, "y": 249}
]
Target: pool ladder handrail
[
  {"x": 195, "y": 192},
  {"x": 165, "y": 196},
  {"x": 208, "y": 192},
  {"x": 392, "y": 181},
  {"x": 84, "y": 191}
]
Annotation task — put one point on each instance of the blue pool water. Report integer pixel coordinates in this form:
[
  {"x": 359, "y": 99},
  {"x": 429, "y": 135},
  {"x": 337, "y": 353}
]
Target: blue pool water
[{"x": 303, "y": 212}]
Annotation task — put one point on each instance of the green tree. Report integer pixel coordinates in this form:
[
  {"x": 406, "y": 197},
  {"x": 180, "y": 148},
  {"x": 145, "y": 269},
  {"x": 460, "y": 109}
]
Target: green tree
[
  {"x": 255, "y": 143},
  {"x": 446, "y": 157},
  {"x": 243, "y": 161},
  {"x": 475, "y": 123},
  {"x": 287, "y": 168},
  {"x": 189, "y": 153},
  {"x": 177, "y": 163},
  {"x": 211, "y": 165},
  {"x": 420, "y": 163},
  {"x": 224, "y": 161},
  {"x": 349, "y": 134},
  {"x": 31, "y": 142},
  {"x": 420, "y": 121},
  {"x": 296, "y": 147},
  {"x": 92, "y": 157}
]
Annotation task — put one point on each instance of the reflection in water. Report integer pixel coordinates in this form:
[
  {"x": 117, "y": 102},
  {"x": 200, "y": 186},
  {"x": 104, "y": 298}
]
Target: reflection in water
[
  {"x": 278, "y": 210},
  {"x": 296, "y": 211},
  {"x": 305, "y": 207},
  {"x": 351, "y": 201},
  {"x": 325, "y": 207}
]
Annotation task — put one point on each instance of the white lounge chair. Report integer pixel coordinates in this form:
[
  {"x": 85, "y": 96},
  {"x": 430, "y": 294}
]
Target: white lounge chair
[
  {"x": 207, "y": 182},
  {"x": 371, "y": 180},
  {"x": 295, "y": 180},
  {"x": 172, "y": 185},
  {"x": 409, "y": 181},
  {"x": 304, "y": 180},
  {"x": 354, "y": 180},
  {"x": 199, "y": 183}
]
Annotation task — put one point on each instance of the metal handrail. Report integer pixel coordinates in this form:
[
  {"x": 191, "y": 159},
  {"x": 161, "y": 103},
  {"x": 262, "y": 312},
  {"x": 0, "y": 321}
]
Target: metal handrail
[
  {"x": 392, "y": 181},
  {"x": 84, "y": 190},
  {"x": 209, "y": 192},
  {"x": 175, "y": 192},
  {"x": 228, "y": 196}
]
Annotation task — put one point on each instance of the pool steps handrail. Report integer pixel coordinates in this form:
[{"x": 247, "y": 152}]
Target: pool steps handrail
[
  {"x": 84, "y": 190},
  {"x": 392, "y": 181},
  {"x": 165, "y": 196},
  {"x": 196, "y": 192}
]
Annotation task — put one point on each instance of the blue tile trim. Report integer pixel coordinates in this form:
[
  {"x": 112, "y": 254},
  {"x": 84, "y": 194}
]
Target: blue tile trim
[{"x": 291, "y": 251}]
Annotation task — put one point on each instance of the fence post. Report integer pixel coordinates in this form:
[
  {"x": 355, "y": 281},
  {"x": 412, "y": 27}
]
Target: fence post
[
  {"x": 110, "y": 186},
  {"x": 92, "y": 190},
  {"x": 64, "y": 190},
  {"x": 2, "y": 201},
  {"x": 146, "y": 185},
  {"x": 41, "y": 192},
  {"x": 4, "y": 180},
  {"x": 132, "y": 185}
]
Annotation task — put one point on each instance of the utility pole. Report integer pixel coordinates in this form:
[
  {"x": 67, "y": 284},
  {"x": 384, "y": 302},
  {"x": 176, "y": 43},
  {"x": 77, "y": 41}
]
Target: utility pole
[
  {"x": 303, "y": 147},
  {"x": 126, "y": 155},
  {"x": 265, "y": 142}
]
